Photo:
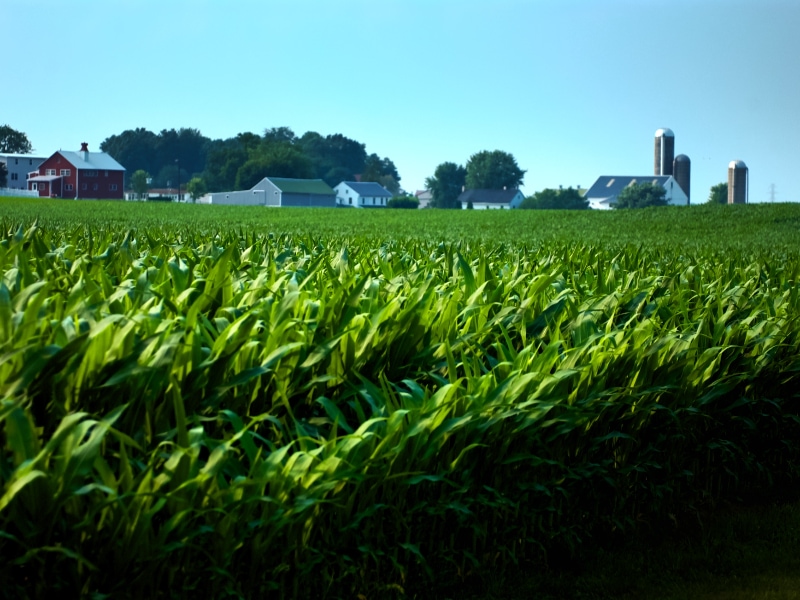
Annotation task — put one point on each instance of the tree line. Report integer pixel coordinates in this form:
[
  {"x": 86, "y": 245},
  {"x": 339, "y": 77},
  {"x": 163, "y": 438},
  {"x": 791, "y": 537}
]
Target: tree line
[
  {"x": 241, "y": 161},
  {"x": 186, "y": 156}
]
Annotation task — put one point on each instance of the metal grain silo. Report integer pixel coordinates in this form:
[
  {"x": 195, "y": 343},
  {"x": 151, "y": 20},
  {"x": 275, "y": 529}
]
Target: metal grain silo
[
  {"x": 737, "y": 182},
  {"x": 664, "y": 152},
  {"x": 682, "y": 171}
]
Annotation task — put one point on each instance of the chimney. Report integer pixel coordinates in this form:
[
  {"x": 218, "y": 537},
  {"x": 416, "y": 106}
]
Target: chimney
[{"x": 84, "y": 152}]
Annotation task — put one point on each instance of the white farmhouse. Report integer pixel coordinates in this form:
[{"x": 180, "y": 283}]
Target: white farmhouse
[
  {"x": 489, "y": 199},
  {"x": 603, "y": 194},
  {"x": 358, "y": 194}
]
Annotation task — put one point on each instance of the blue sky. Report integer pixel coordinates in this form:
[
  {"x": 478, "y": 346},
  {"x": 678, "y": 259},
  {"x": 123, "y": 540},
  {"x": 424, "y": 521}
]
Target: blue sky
[{"x": 574, "y": 89}]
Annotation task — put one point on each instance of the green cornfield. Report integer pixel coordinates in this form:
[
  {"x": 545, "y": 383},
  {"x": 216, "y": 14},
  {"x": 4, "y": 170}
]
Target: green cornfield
[{"x": 233, "y": 402}]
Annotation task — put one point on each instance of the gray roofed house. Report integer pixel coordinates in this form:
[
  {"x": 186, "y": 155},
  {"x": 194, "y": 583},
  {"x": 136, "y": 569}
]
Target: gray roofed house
[
  {"x": 91, "y": 160},
  {"x": 603, "y": 193},
  {"x": 18, "y": 166},
  {"x": 362, "y": 194},
  {"x": 491, "y": 199}
]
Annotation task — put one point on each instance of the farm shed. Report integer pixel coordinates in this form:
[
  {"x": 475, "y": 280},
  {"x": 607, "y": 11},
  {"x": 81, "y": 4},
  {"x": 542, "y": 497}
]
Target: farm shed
[{"x": 278, "y": 191}]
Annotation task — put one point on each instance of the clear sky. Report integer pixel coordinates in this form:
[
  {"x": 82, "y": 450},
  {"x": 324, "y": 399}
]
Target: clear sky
[{"x": 574, "y": 89}]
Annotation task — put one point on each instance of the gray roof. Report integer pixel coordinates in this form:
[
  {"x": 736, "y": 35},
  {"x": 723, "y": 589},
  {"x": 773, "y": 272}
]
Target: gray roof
[
  {"x": 488, "y": 196},
  {"x": 94, "y": 160},
  {"x": 3, "y": 157},
  {"x": 612, "y": 185},
  {"x": 368, "y": 188}
]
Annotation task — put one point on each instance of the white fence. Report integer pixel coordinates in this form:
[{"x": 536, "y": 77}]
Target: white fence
[{"x": 19, "y": 193}]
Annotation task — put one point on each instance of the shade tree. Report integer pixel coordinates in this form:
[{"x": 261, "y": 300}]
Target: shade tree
[
  {"x": 446, "y": 184},
  {"x": 494, "y": 170}
]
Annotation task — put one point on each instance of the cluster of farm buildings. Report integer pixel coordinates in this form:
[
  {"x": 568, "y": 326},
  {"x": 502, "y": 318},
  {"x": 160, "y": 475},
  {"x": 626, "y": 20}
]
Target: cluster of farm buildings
[{"x": 96, "y": 175}]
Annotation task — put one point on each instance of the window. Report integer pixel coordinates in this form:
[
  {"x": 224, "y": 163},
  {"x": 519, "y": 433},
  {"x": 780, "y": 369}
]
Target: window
[
  {"x": 350, "y": 200},
  {"x": 88, "y": 173},
  {"x": 50, "y": 172},
  {"x": 113, "y": 187},
  {"x": 68, "y": 187},
  {"x": 106, "y": 173},
  {"x": 94, "y": 187},
  {"x": 35, "y": 187},
  {"x": 16, "y": 161},
  {"x": 14, "y": 176},
  {"x": 83, "y": 187},
  {"x": 65, "y": 172}
]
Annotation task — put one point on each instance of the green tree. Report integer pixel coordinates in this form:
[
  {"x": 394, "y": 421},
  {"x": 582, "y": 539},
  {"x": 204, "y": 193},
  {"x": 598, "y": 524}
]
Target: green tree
[
  {"x": 3, "y": 175},
  {"x": 446, "y": 185},
  {"x": 13, "y": 141},
  {"x": 139, "y": 182},
  {"x": 334, "y": 158},
  {"x": 134, "y": 149},
  {"x": 280, "y": 134},
  {"x": 403, "y": 202},
  {"x": 642, "y": 195},
  {"x": 495, "y": 170},
  {"x": 568, "y": 199},
  {"x": 139, "y": 148},
  {"x": 196, "y": 188},
  {"x": 278, "y": 160},
  {"x": 718, "y": 194}
]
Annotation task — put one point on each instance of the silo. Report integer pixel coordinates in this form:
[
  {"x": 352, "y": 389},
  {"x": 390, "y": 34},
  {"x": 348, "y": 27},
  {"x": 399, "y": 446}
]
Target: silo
[
  {"x": 682, "y": 171},
  {"x": 665, "y": 152},
  {"x": 737, "y": 182}
]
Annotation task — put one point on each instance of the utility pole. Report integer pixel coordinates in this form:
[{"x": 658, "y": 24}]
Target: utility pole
[{"x": 772, "y": 192}]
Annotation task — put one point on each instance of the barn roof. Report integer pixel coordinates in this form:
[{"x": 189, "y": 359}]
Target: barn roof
[
  {"x": 94, "y": 160},
  {"x": 301, "y": 186},
  {"x": 608, "y": 186}
]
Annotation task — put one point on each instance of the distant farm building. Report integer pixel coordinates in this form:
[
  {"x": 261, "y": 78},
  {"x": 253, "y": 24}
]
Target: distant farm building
[
  {"x": 278, "y": 191},
  {"x": 491, "y": 199},
  {"x": 82, "y": 174},
  {"x": 357, "y": 194},
  {"x": 171, "y": 194},
  {"x": 603, "y": 194},
  {"x": 425, "y": 197}
]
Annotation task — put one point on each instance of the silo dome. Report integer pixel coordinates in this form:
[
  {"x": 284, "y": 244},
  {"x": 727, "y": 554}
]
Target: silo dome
[
  {"x": 682, "y": 158},
  {"x": 737, "y": 164},
  {"x": 664, "y": 132}
]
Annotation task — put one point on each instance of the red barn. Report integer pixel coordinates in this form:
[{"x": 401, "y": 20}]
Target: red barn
[{"x": 80, "y": 174}]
